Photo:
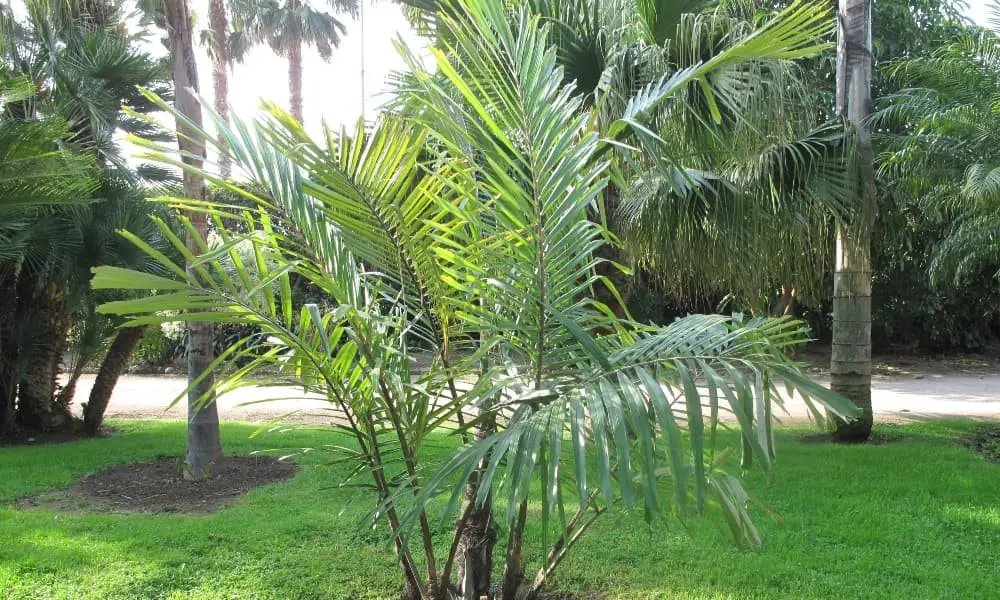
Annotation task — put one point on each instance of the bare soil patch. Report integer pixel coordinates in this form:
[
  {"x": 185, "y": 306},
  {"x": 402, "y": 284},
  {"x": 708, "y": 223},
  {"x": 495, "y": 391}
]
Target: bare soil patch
[
  {"x": 985, "y": 441},
  {"x": 158, "y": 486}
]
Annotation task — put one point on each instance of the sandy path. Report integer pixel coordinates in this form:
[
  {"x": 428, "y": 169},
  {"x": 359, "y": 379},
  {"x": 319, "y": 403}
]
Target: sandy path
[{"x": 895, "y": 399}]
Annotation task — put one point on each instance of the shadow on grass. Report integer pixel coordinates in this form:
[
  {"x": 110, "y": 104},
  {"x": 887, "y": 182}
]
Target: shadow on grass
[{"x": 918, "y": 518}]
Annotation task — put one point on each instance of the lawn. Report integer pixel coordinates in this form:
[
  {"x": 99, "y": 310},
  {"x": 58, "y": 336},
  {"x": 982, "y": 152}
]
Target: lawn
[{"x": 915, "y": 518}]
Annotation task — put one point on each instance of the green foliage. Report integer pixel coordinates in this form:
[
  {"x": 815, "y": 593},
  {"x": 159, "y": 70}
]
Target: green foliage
[{"x": 465, "y": 225}]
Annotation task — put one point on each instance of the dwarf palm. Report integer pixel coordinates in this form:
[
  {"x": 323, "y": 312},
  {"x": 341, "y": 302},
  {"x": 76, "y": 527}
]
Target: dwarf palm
[{"x": 466, "y": 226}]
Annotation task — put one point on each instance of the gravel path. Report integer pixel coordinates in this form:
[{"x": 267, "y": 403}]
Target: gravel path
[{"x": 895, "y": 399}]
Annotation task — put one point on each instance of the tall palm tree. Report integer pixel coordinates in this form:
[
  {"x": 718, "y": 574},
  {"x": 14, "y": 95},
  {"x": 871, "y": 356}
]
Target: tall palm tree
[
  {"x": 851, "y": 353},
  {"x": 204, "y": 445},
  {"x": 288, "y": 25},
  {"x": 219, "y": 52}
]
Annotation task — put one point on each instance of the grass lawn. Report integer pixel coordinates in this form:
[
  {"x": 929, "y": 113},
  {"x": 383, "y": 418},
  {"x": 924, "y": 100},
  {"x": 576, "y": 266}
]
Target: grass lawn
[{"x": 916, "y": 518}]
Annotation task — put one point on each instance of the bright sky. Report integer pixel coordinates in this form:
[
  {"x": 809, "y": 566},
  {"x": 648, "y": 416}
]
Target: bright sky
[{"x": 331, "y": 90}]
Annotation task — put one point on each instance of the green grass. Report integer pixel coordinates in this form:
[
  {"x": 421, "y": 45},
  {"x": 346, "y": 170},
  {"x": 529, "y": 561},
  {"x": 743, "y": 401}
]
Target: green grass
[{"x": 917, "y": 518}]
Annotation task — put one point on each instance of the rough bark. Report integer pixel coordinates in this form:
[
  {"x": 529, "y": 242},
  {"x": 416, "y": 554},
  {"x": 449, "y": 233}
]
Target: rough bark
[
  {"x": 220, "y": 75},
  {"x": 295, "y": 80},
  {"x": 204, "y": 446},
  {"x": 8, "y": 352},
  {"x": 114, "y": 364},
  {"x": 850, "y": 357},
  {"x": 37, "y": 406},
  {"x": 474, "y": 556}
]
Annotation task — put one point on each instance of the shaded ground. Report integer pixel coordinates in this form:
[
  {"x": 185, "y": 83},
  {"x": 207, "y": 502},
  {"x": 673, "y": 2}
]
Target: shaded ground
[
  {"x": 986, "y": 441},
  {"x": 916, "y": 518},
  {"x": 157, "y": 486}
]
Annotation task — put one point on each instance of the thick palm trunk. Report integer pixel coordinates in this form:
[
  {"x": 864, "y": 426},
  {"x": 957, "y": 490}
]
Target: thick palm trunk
[
  {"x": 295, "y": 79},
  {"x": 8, "y": 351},
  {"x": 850, "y": 357},
  {"x": 114, "y": 364},
  {"x": 204, "y": 445},
  {"x": 37, "y": 405},
  {"x": 220, "y": 74}
]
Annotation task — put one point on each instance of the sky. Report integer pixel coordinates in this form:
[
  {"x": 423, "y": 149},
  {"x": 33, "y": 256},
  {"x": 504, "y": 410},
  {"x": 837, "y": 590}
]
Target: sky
[{"x": 332, "y": 91}]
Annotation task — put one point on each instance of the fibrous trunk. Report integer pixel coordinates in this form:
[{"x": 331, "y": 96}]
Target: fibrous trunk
[
  {"x": 850, "y": 363},
  {"x": 43, "y": 309},
  {"x": 474, "y": 557},
  {"x": 8, "y": 352},
  {"x": 204, "y": 443},
  {"x": 114, "y": 364}
]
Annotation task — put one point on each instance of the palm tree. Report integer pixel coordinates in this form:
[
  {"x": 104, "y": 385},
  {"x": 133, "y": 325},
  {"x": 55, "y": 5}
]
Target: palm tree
[
  {"x": 86, "y": 68},
  {"x": 219, "y": 52},
  {"x": 851, "y": 353},
  {"x": 465, "y": 225},
  {"x": 287, "y": 26},
  {"x": 948, "y": 154},
  {"x": 204, "y": 445}
]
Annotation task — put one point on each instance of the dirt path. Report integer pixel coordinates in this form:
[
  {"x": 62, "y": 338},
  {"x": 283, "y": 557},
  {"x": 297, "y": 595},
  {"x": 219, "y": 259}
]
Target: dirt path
[{"x": 896, "y": 398}]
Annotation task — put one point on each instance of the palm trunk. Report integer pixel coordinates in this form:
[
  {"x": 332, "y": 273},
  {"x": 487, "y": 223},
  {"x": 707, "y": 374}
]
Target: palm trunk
[
  {"x": 513, "y": 569},
  {"x": 204, "y": 446},
  {"x": 850, "y": 357},
  {"x": 8, "y": 352},
  {"x": 220, "y": 75},
  {"x": 37, "y": 406},
  {"x": 295, "y": 79},
  {"x": 114, "y": 364},
  {"x": 478, "y": 536}
]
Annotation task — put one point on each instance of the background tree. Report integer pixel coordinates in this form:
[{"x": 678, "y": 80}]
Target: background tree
[
  {"x": 85, "y": 66},
  {"x": 851, "y": 352},
  {"x": 288, "y": 25}
]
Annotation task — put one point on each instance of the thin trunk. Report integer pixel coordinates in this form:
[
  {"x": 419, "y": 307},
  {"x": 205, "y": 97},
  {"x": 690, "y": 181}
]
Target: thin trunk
[
  {"x": 850, "y": 357},
  {"x": 295, "y": 80},
  {"x": 114, "y": 364},
  {"x": 204, "y": 446},
  {"x": 220, "y": 75},
  {"x": 478, "y": 536},
  {"x": 513, "y": 569}
]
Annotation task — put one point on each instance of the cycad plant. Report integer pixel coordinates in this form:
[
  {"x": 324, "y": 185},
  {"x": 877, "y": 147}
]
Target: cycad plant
[{"x": 463, "y": 229}]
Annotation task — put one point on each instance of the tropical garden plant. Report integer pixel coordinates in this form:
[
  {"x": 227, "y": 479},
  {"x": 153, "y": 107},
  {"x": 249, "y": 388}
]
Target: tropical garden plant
[
  {"x": 946, "y": 155},
  {"x": 83, "y": 66},
  {"x": 460, "y": 230}
]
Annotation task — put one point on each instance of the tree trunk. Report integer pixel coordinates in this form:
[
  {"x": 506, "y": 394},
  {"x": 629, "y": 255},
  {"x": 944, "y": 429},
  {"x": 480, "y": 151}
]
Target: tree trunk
[
  {"x": 850, "y": 357},
  {"x": 8, "y": 351},
  {"x": 295, "y": 80},
  {"x": 45, "y": 310},
  {"x": 204, "y": 446},
  {"x": 220, "y": 75},
  {"x": 114, "y": 364},
  {"x": 474, "y": 556},
  {"x": 513, "y": 569}
]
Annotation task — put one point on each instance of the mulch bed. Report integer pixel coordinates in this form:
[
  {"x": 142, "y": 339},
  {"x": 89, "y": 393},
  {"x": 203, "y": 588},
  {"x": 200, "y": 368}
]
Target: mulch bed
[
  {"x": 158, "y": 486},
  {"x": 985, "y": 441}
]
